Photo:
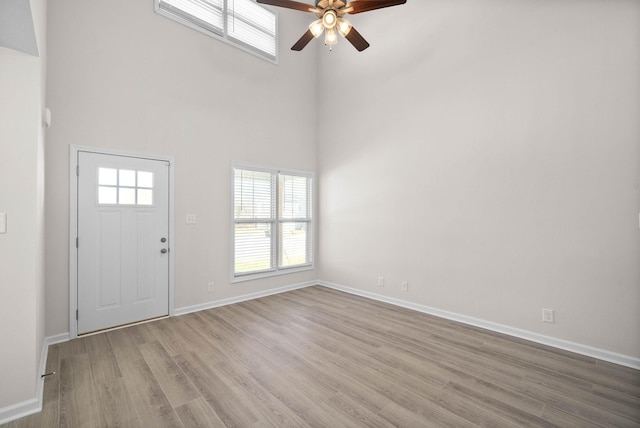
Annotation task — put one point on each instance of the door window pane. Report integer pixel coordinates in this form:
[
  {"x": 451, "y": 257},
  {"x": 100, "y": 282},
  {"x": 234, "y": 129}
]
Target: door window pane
[
  {"x": 107, "y": 195},
  {"x": 145, "y": 197},
  {"x": 126, "y": 196},
  {"x": 145, "y": 179},
  {"x": 127, "y": 178},
  {"x": 107, "y": 176}
]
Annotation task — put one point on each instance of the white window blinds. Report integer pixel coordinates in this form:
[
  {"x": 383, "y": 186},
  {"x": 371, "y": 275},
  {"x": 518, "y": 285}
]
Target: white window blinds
[
  {"x": 294, "y": 219},
  {"x": 248, "y": 24},
  {"x": 253, "y": 208},
  {"x": 272, "y": 221},
  {"x": 207, "y": 14},
  {"x": 253, "y": 25}
]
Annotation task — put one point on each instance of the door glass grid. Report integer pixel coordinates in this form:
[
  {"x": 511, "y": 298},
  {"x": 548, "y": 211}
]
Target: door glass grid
[{"x": 125, "y": 187}]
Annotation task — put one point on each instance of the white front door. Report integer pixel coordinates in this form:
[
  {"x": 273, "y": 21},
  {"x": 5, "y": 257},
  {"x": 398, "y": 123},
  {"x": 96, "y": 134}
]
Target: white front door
[{"x": 123, "y": 247}]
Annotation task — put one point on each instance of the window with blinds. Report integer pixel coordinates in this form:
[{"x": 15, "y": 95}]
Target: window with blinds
[
  {"x": 242, "y": 23},
  {"x": 272, "y": 221}
]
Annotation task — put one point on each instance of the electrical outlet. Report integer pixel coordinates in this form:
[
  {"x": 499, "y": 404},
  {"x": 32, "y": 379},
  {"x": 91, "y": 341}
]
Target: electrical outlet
[
  {"x": 211, "y": 287},
  {"x": 405, "y": 286},
  {"x": 381, "y": 281},
  {"x": 548, "y": 315},
  {"x": 191, "y": 219}
]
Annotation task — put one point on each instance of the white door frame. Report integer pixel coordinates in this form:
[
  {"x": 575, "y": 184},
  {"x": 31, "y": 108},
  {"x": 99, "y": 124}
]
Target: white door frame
[{"x": 73, "y": 224}]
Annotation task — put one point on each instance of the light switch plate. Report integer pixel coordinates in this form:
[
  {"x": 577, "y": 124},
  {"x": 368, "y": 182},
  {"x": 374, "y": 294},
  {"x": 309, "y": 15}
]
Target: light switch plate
[
  {"x": 191, "y": 219},
  {"x": 3, "y": 222}
]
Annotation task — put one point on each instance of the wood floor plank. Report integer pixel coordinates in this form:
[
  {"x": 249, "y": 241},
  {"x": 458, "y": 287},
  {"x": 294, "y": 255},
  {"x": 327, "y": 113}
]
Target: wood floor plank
[
  {"x": 222, "y": 398},
  {"x": 354, "y": 412},
  {"x": 151, "y": 405},
  {"x": 318, "y": 357},
  {"x": 51, "y": 391},
  {"x": 72, "y": 347},
  {"x": 115, "y": 404},
  {"x": 168, "y": 332},
  {"x": 300, "y": 396},
  {"x": 503, "y": 409},
  {"x": 176, "y": 386},
  {"x": 124, "y": 347},
  {"x": 198, "y": 414},
  {"x": 97, "y": 344},
  {"x": 576, "y": 405},
  {"x": 78, "y": 405},
  {"x": 104, "y": 368},
  {"x": 400, "y": 416},
  {"x": 567, "y": 420},
  {"x": 617, "y": 397}
]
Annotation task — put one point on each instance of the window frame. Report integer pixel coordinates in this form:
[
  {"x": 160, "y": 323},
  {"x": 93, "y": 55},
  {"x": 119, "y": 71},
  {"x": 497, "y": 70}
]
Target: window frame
[
  {"x": 275, "y": 220},
  {"x": 223, "y": 35}
]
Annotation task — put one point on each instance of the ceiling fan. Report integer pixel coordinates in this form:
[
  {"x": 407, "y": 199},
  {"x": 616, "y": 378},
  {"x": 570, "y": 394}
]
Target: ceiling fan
[{"x": 330, "y": 19}]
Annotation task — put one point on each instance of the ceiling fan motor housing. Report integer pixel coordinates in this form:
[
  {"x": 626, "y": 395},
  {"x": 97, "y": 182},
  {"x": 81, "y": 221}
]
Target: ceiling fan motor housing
[{"x": 331, "y": 20}]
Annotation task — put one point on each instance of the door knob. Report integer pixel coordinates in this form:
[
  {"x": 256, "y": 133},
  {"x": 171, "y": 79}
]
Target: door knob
[
  {"x": 164, "y": 250},
  {"x": 163, "y": 239}
]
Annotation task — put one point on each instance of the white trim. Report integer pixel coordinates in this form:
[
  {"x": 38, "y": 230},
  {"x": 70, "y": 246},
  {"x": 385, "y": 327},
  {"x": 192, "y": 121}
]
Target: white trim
[
  {"x": 601, "y": 354},
  {"x": 242, "y": 298},
  {"x": 271, "y": 273},
  {"x": 20, "y": 410},
  {"x": 34, "y": 405},
  {"x": 58, "y": 338},
  {"x": 73, "y": 224}
]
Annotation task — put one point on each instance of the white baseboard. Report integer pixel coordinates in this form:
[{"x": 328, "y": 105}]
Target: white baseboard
[
  {"x": 34, "y": 405},
  {"x": 612, "y": 357},
  {"x": 243, "y": 298},
  {"x": 58, "y": 338},
  {"x": 20, "y": 410}
]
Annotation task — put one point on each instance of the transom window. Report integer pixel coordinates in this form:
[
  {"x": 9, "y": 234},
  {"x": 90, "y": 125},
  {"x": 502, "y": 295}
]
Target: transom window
[
  {"x": 124, "y": 187},
  {"x": 242, "y": 23},
  {"x": 272, "y": 221}
]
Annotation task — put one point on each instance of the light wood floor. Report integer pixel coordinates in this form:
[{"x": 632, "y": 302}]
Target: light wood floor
[{"x": 319, "y": 357}]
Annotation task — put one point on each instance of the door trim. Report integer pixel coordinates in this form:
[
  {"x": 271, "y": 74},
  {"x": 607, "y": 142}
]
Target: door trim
[{"x": 73, "y": 224}]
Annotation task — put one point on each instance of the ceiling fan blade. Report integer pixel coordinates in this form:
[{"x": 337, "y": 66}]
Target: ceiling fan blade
[
  {"x": 357, "y": 40},
  {"x": 304, "y": 41},
  {"x": 367, "y": 5},
  {"x": 289, "y": 4}
]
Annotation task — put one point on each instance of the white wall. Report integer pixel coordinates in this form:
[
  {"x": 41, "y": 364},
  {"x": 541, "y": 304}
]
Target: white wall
[
  {"x": 488, "y": 152},
  {"x": 124, "y": 77},
  {"x": 22, "y": 197},
  {"x": 19, "y": 247}
]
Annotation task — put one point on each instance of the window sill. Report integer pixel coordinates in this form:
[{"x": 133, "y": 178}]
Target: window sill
[{"x": 285, "y": 271}]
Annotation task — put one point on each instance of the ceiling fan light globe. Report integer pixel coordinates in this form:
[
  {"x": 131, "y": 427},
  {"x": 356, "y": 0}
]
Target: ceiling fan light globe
[
  {"x": 316, "y": 28},
  {"x": 344, "y": 27},
  {"x": 329, "y": 19},
  {"x": 330, "y": 37}
]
